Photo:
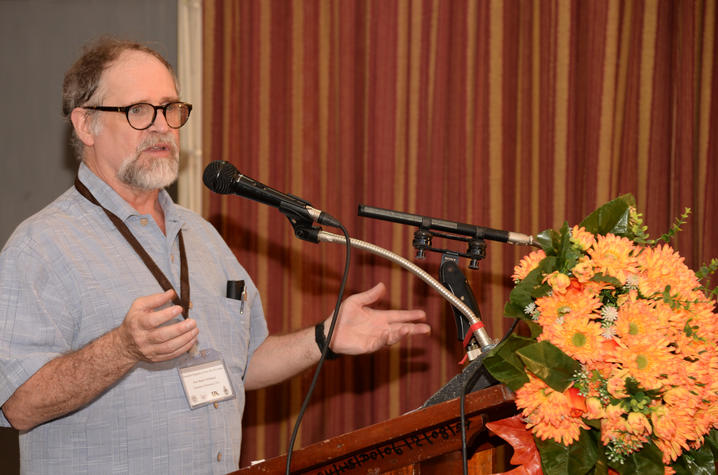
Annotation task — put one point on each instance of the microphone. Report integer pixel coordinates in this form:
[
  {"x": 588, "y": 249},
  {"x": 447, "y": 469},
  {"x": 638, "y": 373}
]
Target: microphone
[
  {"x": 471, "y": 230},
  {"x": 223, "y": 178}
]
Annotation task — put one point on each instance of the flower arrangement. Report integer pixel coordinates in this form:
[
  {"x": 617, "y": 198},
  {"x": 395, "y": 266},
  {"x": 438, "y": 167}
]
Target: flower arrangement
[{"x": 619, "y": 372}]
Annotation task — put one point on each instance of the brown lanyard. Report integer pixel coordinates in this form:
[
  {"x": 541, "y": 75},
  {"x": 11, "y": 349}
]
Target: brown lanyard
[{"x": 182, "y": 300}]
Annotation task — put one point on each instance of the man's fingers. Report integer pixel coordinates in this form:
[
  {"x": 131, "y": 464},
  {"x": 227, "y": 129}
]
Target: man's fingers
[
  {"x": 149, "y": 336},
  {"x": 400, "y": 331},
  {"x": 151, "y": 302},
  {"x": 156, "y": 318},
  {"x": 403, "y": 316},
  {"x": 168, "y": 333},
  {"x": 176, "y": 346},
  {"x": 419, "y": 329}
]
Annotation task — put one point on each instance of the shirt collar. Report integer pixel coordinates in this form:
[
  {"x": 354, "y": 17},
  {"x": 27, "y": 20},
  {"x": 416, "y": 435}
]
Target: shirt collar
[{"x": 109, "y": 198}]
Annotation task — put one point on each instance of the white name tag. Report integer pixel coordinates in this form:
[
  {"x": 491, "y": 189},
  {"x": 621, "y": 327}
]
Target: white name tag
[{"x": 205, "y": 379}]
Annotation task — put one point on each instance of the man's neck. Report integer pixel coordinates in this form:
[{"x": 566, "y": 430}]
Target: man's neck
[{"x": 143, "y": 201}]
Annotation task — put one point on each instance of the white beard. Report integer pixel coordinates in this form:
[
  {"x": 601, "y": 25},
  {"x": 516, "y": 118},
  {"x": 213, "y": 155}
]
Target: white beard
[{"x": 151, "y": 174}]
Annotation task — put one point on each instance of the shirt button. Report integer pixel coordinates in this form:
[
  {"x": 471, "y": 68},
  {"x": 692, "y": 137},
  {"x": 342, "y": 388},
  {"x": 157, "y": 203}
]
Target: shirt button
[
  {"x": 219, "y": 456},
  {"x": 143, "y": 221},
  {"x": 216, "y": 405},
  {"x": 172, "y": 257}
]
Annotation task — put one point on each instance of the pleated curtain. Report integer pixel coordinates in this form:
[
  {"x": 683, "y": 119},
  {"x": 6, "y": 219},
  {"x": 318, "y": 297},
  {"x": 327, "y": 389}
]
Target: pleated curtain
[{"x": 514, "y": 115}]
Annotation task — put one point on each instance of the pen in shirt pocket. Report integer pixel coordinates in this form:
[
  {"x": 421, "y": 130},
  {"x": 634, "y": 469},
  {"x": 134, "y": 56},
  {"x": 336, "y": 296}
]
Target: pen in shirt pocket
[{"x": 237, "y": 290}]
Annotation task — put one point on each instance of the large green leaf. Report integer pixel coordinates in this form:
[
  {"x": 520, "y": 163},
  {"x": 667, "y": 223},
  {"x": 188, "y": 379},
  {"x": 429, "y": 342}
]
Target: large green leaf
[
  {"x": 550, "y": 364},
  {"x": 700, "y": 461},
  {"x": 504, "y": 364},
  {"x": 711, "y": 441},
  {"x": 602, "y": 466},
  {"x": 612, "y": 217},
  {"x": 647, "y": 461},
  {"x": 696, "y": 462},
  {"x": 568, "y": 255},
  {"x": 578, "y": 458}
]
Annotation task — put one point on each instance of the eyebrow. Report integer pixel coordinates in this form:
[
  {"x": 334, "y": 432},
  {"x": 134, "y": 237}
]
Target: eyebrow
[{"x": 164, "y": 100}]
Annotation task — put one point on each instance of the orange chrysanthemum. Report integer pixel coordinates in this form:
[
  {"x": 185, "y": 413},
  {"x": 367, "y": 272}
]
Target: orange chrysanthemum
[
  {"x": 661, "y": 266},
  {"x": 558, "y": 281},
  {"x": 647, "y": 361},
  {"x": 613, "y": 256},
  {"x": 527, "y": 264},
  {"x": 638, "y": 319},
  {"x": 616, "y": 383},
  {"x": 672, "y": 429},
  {"x": 573, "y": 302},
  {"x": 583, "y": 270},
  {"x": 581, "y": 238},
  {"x": 578, "y": 337},
  {"x": 548, "y": 412}
]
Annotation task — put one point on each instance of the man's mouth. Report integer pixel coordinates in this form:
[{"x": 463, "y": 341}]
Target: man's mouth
[{"x": 160, "y": 148}]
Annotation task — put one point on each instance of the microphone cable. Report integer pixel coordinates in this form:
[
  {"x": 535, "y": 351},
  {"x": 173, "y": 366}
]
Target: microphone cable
[{"x": 313, "y": 384}]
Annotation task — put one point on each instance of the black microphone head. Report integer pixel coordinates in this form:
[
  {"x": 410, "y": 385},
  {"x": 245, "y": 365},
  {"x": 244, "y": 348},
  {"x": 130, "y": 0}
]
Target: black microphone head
[{"x": 219, "y": 176}]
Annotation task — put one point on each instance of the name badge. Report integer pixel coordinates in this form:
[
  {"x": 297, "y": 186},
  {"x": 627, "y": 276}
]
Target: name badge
[{"x": 205, "y": 379}]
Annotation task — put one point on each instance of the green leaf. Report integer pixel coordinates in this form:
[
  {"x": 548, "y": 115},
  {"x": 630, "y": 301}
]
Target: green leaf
[
  {"x": 549, "y": 241},
  {"x": 696, "y": 462},
  {"x": 647, "y": 461},
  {"x": 550, "y": 364},
  {"x": 504, "y": 365},
  {"x": 599, "y": 277},
  {"x": 568, "y": 255},
  {"x": 599, "y": 469},
  {"x": 612, "y": 217},
  {"x": 601, "y": 461},
  {"x": 529, "y": 289},
  {"x": 578, "y": 458},
  {"x": 711, "y": 441},
  {"x": 534, "y": 329}
]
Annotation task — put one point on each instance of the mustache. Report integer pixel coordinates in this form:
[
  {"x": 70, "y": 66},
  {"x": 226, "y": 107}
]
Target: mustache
[{"x": 155, "y": 139}]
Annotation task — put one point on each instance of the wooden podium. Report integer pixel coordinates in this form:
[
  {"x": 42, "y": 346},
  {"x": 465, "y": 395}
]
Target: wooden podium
[{"x": 427, "y": 440}]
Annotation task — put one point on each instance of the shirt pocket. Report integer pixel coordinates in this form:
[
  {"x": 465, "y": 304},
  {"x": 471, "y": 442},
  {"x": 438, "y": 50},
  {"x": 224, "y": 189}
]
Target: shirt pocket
[{"x": 230, "y": 333}]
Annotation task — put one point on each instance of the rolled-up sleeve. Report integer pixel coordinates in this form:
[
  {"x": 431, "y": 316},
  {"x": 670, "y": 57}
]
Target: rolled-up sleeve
[{"x": 35, "y": 323}]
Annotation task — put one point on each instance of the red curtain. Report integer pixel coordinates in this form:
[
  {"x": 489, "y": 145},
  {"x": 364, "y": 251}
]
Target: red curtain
[{"x": 515, "y": 115}]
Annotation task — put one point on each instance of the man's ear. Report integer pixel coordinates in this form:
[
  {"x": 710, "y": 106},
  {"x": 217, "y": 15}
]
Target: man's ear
[{"x": 82, "y": 122}]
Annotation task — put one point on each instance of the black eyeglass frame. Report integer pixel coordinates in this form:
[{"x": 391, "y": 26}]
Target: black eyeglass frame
[{"x": 126, "y": 111}]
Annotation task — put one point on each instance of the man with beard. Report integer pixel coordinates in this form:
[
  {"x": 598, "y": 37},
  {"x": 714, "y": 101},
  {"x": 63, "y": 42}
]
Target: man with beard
[{"x": 93, "y": 289}]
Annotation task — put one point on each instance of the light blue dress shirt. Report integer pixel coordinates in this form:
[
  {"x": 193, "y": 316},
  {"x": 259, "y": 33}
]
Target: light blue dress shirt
[{"x": 67, "y": 276}]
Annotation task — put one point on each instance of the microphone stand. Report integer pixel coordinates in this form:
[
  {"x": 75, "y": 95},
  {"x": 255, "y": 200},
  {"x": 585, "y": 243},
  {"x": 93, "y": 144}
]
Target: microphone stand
[
  {"x": 474, "y": 376},
  {"x": 481, "y": 335}
]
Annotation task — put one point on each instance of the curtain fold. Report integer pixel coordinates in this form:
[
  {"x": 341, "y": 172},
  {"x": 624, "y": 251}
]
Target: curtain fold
[{"x": 515, "y": 115}]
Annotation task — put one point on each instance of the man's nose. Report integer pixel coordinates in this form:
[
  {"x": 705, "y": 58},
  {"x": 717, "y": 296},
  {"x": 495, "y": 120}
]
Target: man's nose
[{"x": 160, "y": 123}]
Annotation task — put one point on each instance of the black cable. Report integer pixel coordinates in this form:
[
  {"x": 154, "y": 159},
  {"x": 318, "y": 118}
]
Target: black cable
[{"x": 295, "y": 431}]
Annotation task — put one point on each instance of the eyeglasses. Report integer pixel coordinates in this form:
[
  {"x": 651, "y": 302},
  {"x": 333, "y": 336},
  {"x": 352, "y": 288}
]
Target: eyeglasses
[{"x": 142, "y": 115}]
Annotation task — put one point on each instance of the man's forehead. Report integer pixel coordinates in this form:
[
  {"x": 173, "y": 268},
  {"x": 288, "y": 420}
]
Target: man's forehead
[{"x": 139, "y": 75}]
